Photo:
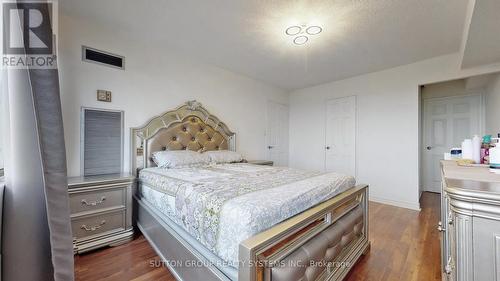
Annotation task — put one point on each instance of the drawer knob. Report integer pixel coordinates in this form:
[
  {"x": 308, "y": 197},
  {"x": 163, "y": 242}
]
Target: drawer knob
[
  {"x": 93, "y": 203},
  {"x": 93, "y": 228},
  {"x": 440, "y": 227}
]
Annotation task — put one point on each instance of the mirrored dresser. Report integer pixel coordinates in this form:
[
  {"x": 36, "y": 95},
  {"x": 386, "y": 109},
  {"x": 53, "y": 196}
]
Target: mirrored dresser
[
  {"x": 101, "y": 211},
  {"x": 470, "y": 223}
]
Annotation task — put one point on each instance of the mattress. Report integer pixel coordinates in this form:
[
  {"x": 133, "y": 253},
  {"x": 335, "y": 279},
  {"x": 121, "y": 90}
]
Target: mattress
[{"x": 222, "y": 205}]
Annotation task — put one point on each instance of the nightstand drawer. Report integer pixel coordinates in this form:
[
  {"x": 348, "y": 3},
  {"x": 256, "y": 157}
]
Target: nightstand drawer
[
  {"x": 97, "y": 199},
  {"x": 101, "y": 210},
  {"x": 97, "y": 224}
]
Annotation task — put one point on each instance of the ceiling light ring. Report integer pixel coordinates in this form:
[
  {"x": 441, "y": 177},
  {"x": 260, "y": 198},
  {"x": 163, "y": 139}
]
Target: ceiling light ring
[
  {"x": 300, "y": 40},
  {"x": 291, "y": 30},
  {"x": 314, "y": 30}
]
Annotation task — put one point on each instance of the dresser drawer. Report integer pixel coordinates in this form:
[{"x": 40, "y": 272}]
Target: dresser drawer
[
  {"x": 97, "y": 224},
  {"x": 83, "y": 201}
]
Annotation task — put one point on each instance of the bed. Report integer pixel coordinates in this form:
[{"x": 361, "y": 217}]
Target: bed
[{"x": 238, "y": 221}]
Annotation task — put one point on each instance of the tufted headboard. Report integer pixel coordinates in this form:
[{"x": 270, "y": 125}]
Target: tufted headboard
[{"x": 189, "y": 127}]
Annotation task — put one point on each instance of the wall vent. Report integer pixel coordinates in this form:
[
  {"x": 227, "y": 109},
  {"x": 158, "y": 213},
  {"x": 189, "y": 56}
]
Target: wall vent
[
  {"x": 101, "y": 141},
  {"x": 102, "y": 57}
]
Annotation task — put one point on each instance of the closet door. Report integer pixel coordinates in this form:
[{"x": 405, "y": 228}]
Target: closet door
[
  {"x": 277, "y": 133},
  {"x": 340, "y": 143}
]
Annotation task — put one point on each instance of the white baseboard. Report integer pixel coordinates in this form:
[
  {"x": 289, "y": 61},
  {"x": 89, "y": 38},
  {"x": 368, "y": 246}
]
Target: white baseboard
[{"x": 401, "y": 204}]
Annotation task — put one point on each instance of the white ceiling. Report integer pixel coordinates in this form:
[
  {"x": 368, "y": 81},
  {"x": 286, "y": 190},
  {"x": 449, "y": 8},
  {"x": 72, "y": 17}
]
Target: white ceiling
[
  {"x": 247, "y": 37},
  {"x": 483, "y": 35}
]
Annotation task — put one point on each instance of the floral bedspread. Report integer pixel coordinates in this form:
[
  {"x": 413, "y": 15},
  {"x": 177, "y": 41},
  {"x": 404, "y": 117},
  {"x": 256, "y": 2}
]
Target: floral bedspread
[{"x": 222, "y": 205}]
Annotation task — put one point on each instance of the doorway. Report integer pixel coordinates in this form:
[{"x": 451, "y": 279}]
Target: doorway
[
  {"x": 277, "y": 133},
  {"x": 340, "y": 132},
  {"x": 446, "y": 122}
]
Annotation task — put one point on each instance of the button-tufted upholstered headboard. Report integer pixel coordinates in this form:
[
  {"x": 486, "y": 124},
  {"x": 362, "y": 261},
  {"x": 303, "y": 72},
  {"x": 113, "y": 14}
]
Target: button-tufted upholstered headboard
[
  {"x": 189, "y": 127},
  {"x": 191, "y": 133}
]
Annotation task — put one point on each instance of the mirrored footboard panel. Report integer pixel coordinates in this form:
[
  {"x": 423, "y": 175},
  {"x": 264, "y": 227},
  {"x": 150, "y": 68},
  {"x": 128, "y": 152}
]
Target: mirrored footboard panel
[{"x": 322, "y": 243}]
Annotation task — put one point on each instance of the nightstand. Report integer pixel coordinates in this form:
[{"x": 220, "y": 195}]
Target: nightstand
[
  {"x": 101, "y": 211},
  {"x": 261, "y": 162}
]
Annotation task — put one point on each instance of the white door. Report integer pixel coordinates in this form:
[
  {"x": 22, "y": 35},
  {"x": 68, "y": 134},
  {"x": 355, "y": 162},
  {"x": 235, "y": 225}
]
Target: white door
[
  {"x": 340, "y": 144},
  {"x": 446, "y": 123},
  {"x": 277, "y": 133}
]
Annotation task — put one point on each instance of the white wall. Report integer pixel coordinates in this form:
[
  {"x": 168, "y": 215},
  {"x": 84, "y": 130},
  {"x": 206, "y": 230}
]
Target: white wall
[
  {"x": 388, "y": 125},
  {"x": 155, "y": 80},
  {"x": 449, "y": 89},
  {"x": 493, "y": 106}
]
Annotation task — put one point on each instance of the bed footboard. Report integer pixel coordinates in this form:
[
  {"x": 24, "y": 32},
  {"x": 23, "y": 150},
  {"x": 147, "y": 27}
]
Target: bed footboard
[{"x": 322, "y": 243}]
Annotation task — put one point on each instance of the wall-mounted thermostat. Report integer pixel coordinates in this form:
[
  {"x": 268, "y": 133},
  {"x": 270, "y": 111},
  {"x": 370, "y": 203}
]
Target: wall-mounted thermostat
[{"x": 103, "y": 95}]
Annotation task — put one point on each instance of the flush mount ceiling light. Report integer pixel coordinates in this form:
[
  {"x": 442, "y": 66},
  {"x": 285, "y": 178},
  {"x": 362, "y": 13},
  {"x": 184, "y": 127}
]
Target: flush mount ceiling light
[{"x": 301, "y": 33}]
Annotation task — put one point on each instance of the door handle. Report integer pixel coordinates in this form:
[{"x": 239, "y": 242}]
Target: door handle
[
  {"x": 429, "y": 147},
  {"x": 270, "y": 147},
  {"x": 328, "y": 147}
]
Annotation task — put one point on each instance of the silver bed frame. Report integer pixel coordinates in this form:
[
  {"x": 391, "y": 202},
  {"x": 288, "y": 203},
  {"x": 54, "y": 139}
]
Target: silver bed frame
[{"x": 321, "y": 243}]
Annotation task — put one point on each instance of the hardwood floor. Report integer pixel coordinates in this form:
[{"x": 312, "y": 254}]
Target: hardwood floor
[
  {"x": 404, "y": 243},
  {"x": 132, "y": 261},
  {"x": 405, "y": 246}
]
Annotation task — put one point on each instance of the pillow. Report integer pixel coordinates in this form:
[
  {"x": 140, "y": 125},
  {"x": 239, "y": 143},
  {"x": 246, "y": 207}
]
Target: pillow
[
  {"x": 224, "y": 156},
  {"x": 179, "y": 158}
]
